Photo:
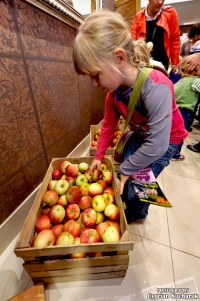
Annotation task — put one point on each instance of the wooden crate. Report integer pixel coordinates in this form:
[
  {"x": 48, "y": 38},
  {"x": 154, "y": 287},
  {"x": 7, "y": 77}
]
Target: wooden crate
[
  {"x": 93, "y": 130},
  {"x": 43, "y": 264}
]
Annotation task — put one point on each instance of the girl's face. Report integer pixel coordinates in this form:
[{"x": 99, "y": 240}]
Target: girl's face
[{"x": 108, "y": 79}]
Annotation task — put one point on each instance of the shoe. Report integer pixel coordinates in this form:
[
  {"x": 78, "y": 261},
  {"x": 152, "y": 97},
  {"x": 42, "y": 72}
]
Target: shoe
[
  {"x": 193, "y": 148},
  {"x": 189, "y": 130},
  {"x": 181, "y": 158}
]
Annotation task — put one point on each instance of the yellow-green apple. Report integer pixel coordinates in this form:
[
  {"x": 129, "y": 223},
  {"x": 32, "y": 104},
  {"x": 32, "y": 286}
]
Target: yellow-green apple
[
  {"x": 57, "y": 229},
  {"x": 62, "y": 200},
  {"x": 111, "y": 234},
  {"x": 113, "y": 223},
  {"x": 45, "y": 238},
  {"x": 63, "y": 177},
  {"x": 56, "y": 214},
  {"x": 100, "y": 218},
  {"x": 115, "y": 141},
  {"x": 99, "y": 131},
  {"x": 81, "y": 179},
  {"x": 65, "y": 239},
  {"x": 96, "y": 175},
  {"x": 88, "y": 175},
  {"x": 72, "y": 227},
  {"x": 71, "y": 180},
  {"x": 73, "y": 194},
  {"x": 83, "y": 166},
  {"x": 61, "y": 186},
  {"x": 96, "y": 136},
  {"x": 63, "y": 165},
  {"x": 78, "y": 220},
  {"x": 100, "y": 228},
  {"x": 84, "y": 188},
  {"x": 85, "y": 202},
  {"x": 45, "y": 209},
  {"x": 42, "y": 222},
  {"x": 98, "y": 203},
  {"x": 110, "y": 190},
  {"x": 89, "y": 217},
  {"x": 103, "y": 166},
  {"x": 95, "y": 254},
  {"x": 107, "y": 176},
  {"x": 72, "y": 211},
  {"x": 94, "y": 143},
  {"x": 52, "y": 184},
  {"x": 109, "y": 198},
  {"x": 72, "y": 170},
  {"x": 112, "y": 212},
  {"x": 95, "y": 189},
  {"x": 89, "y": 236},
  {"x": 50, "y": 197},
  {"x": 56, "y": 174},
  {"x": 77, "y": 241},
  {"x": 103, "y": 184}
]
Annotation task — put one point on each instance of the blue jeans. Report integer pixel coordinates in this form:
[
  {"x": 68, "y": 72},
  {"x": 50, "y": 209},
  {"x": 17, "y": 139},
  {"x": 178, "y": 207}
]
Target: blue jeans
[
  {"x": 188, "y": 117},
  {"x": 138, "y": 208}
]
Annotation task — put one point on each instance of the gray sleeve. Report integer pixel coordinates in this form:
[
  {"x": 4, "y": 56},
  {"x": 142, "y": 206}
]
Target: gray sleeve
[{"x": 157, "y": 99}]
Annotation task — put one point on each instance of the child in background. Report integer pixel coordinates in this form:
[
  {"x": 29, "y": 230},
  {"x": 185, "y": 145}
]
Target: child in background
[
  {"x": 187, "y": 92},
  {"x": 104, "y": 50}
]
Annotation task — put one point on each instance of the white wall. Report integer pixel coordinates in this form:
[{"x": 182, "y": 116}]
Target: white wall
[{"x": 82, "y": 6}]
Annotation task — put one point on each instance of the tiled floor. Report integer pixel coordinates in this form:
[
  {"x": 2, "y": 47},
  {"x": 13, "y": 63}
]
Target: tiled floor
[{"x": 166, "y": 252}]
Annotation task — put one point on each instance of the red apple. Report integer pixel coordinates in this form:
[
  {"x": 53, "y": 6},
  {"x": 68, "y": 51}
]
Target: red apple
[
  {"x": 51, "y": 184},
  {"x": 45, "y": 238},
  {"x": 112, "y": 212},
  {"x": 84, "y": 229},
  {"x": 107, "y": 176},
  {"x": 57, "y": 214},
  {"x": 65, "y": 239},
  {"x": 83, "y": 166},
  {"x": 77, "y": 241},
  {"x": 89, "y": 217},
  {"x": 45, "y": 210},
  {"x": 89, "y": 236},
  {"x": 73, "y": 194},
  {"x": 72, "y": 227},
  {"x": 95, "y": 189},
  {"x": 42, "y": 222},
  {"x": 113, "y": 223},
  {"x": 81, "y": 179},
  {"x": 96, "y": 175},
  {"x": 98, "y": 203},
  {"x": 63, "y": 166},
  {"x": 111, "y": 234},
  {"x": 110, "y": 190},
  {"x": 94, "y": 143},
  {"x": 62, "y": 200},
  {"x": 88, "y": 175},
  {"x": 84, "y": 188},
  {"x": 71, "y": 180},
  {"x": 100, "y": 228},
  {"x": 95, "y": 254},
  {"x": 72, "y": 211},
  {"x": 109, "y": 198},
  {"x": 57, "y": 229},
  {"x": 85, "y": 202},
  {"x": 100, "y": 218},
  {"x": 103, "y": 184},
  {"x": 50, "y": 197},
  {"x": 61, "y": 186},
  {"x": 72, "y": 170},
  {"x": 56, "y": 174}
]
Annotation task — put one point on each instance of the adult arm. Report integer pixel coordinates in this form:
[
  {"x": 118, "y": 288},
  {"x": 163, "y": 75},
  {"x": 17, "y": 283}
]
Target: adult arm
[
  {"x": 135, "y": 28},
  {"x": 193, "y": 63},
  {"x": 174, "y": 37}
]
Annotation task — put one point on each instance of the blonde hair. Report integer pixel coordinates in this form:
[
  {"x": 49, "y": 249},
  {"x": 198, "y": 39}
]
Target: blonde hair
[
  {"x": 99, "y": 36},
  {"x": 184, "y": 64}
]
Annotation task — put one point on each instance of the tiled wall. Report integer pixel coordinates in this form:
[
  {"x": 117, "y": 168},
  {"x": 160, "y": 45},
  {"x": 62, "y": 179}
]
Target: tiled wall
[{"x": 45, "y": 108}]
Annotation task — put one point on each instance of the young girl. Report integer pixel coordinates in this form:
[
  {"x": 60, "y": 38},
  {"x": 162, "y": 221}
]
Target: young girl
[
  {"x": 187, "y": 93},
  {"x": 105, "y": 51}
]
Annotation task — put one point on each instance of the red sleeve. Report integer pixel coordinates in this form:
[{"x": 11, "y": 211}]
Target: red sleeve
[
  {"x": 110, "y": 121},
  {"x": 134, "y": 28},
  {"x": 174, "y": 42}
]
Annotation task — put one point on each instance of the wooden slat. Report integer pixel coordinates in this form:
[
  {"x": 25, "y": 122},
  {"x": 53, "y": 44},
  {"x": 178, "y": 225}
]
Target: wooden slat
[{"x": 100, "y": 276}]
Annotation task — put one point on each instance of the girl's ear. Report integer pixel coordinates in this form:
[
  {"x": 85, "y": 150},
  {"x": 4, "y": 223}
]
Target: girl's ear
[{"x": 120, "y": 57}]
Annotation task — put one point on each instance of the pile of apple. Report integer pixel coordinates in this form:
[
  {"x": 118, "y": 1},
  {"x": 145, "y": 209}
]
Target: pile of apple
[
  {"x": 113, "y": 142},
  {"x": 78, "y": 207}
]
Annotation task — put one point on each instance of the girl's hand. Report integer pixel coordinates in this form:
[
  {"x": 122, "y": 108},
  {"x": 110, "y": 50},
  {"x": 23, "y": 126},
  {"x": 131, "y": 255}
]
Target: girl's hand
[
  {"x": 121, "y": 183},
  {"x": 95, "y": 164}
]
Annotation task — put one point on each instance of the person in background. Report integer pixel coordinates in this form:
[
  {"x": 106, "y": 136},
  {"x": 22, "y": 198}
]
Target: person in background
[
  {"x": 184, "y": 45},
  {"x": 105, "y": 51},
  {"x": 159, "y": 25},
  {"x": 186, "y": 92},
  {"x": 194, "y": 35}
]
